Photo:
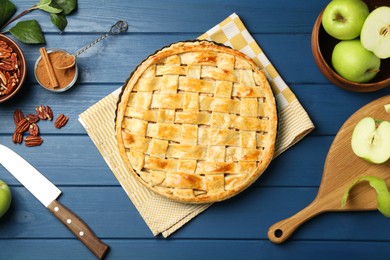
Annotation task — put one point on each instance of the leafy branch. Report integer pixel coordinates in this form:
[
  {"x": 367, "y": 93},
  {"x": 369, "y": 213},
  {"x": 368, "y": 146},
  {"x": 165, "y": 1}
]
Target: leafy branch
[{"x": 29, "y": 31}]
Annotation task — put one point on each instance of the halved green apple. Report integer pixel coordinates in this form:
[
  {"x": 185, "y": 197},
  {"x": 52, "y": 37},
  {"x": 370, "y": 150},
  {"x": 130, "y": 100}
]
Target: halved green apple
[
  {"x": 375, "y": 34},
  {"x": 387, "y": 108},
  {"x": 371, "y": 140}
]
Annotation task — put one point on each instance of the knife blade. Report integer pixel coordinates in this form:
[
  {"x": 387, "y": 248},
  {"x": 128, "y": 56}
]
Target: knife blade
[{"x": 47, "y": 193}]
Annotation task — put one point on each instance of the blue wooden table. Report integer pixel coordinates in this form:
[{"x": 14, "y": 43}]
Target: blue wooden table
[{"x": 234, "y": 229}]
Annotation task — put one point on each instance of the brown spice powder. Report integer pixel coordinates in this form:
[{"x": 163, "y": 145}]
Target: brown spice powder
[
  {"x": 64, "y": 76},
  {"x": 64, "y": 60}
]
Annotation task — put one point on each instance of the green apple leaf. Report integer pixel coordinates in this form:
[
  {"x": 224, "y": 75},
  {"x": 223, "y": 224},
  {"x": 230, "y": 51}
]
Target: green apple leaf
[
  {"x": 67, "y": 6},
  {"x": 59, "y": 20},
  {"x": 7, "y": 10},
  {"x": 46, "y": 6},
  {"x": 380, "y": 186},
  {"x": 28, "y": 32}
]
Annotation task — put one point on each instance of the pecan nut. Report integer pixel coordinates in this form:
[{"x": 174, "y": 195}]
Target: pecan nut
[
  {"x": 22, "y": 126},
  {"x": 32, "y": 140},
  {"x": 3, "y": 79},
  {"x": 61, "y": 121},
  {"x": 32, "y": 118},
  {"x": 33, "y": 129},
  {"x": 17, "y": 138},
  {"x": 44, "y": 112},
  {"x": 18, "y": 116}
]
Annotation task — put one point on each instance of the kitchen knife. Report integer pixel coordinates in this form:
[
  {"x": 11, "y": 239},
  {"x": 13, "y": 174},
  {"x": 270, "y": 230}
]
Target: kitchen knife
[{"x": 47, "y": 193}]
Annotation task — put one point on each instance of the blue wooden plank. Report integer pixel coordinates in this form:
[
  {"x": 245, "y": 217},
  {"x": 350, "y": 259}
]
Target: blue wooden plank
[
  {"x": 327, "y": 105},
  {"x": 71, "y": 103},
  {"x": 113, "y": 59},
  {"x": 65, "y": 160},
  {"x": 251, "y": 213},
  {"x": 38, "y": 249},
  {"x": 246, "y": 216},
  {"x": 300, "y": 166},
  {"x": 74, "y": 160},
  {"x": 330, "y": 106},
  {"x": 185, "y": 16},
  {"x": 27, "y": 216}
]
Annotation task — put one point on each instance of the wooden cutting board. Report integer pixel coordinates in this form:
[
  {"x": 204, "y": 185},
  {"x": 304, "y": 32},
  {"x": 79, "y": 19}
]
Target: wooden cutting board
[{"x": 342, "y": 166}]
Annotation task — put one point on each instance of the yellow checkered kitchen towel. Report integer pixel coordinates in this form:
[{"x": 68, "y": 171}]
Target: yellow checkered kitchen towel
[{"x": 164, "y": 216}]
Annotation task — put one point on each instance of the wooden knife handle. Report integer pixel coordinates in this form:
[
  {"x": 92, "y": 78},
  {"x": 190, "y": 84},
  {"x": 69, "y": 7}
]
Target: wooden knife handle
[{"x": 79, "y": 228}]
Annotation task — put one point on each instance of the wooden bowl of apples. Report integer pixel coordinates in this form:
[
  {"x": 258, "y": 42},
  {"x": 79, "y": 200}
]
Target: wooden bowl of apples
[{"x": 351, "y": 44}]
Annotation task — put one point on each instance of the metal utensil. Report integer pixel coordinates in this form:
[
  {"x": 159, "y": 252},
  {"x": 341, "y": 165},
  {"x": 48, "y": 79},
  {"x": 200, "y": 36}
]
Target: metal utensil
[
  {"x": 47, "y": 193},
  {"x": 67, "y": 60}
]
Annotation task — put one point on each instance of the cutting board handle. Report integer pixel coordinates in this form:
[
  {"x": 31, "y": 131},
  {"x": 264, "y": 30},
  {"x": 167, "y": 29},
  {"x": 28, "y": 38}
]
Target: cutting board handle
[{"x": 283, "y": 229}]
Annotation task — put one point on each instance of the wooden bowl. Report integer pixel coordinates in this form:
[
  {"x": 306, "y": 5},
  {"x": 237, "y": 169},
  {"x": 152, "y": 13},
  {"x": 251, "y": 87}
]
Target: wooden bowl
[
  {"x": 322, "y": 45},
  {"x": 22, "y": 67}
]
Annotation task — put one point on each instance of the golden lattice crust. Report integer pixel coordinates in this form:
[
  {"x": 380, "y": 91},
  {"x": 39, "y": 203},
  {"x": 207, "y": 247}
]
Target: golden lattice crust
[{"x": 197, "y": 122}]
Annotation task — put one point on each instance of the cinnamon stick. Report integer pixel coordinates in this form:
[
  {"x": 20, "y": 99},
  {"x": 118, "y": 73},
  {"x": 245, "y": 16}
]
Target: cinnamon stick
[{"x": 49, "y": 67}]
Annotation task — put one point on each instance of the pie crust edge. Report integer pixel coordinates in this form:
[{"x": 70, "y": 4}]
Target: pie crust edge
[{"x": 188, "y": 46}]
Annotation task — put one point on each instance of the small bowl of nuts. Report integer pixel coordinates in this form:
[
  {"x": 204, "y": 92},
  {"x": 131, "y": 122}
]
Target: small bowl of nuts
[{"x": 12, "y": 68}]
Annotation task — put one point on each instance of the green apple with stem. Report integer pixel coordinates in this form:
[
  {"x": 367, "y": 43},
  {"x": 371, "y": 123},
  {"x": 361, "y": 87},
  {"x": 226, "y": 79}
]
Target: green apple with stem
[
  {"x": 371, "y": 140},
  {"x": 344, "y": 19},
  {"x": 375, "y": 35},
  {"x": 353, "y": 62},
  {"x": 5, "y": 198}
]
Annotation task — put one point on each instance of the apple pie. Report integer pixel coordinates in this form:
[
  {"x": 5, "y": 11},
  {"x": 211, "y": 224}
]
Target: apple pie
[{"x": 196, "y": 122}]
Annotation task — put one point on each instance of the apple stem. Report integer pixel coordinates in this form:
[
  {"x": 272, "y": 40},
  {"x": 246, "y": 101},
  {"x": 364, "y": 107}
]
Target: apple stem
[
  {"x": 376, "y": 71},
  {"x": 340, "y": 18},
  {"x": 377, "y": 122}
]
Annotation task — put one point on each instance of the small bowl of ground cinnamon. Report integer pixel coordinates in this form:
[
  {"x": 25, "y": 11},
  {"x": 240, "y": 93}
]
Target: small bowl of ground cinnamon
[{"x": 49, "y": 76}]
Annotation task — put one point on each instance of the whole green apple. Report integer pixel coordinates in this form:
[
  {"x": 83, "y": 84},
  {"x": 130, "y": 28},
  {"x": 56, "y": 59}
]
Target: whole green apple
[
  {"x": 344, "y": 19},
  {"x": 5, "y": 198},
  {"x": 353, "y": 62}
]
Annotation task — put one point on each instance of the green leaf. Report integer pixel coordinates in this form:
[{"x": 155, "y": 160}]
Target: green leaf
[
  {"x": 66, "y": 5},
  {"x": 28, "y": 32},
  {"x": 380, "y": 187},
  {"x": 46, "y": 6},
  {"x": 59, "y": 20},
  {"x": 7, "y": 10}
]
